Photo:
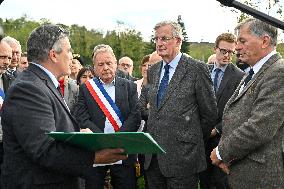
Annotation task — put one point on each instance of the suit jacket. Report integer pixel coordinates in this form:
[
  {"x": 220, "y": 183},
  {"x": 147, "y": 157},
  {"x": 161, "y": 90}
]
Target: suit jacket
[
  {"x": 253, "y": 130},
  {"x": 71, "y": 92},
  {"x": 125, "y": 75},
  {"x": 89, "y": 114},
  {"x": 230, "y": 81},
  {"x": 32, "y": 108},
  {"x": 185, "y": 116},
  {"x": 7, "y": 81}
]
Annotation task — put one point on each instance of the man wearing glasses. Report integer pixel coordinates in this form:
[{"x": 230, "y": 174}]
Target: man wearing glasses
[
  {"x": 226, "y": 78},
  {"x": 182, "y": 112}
]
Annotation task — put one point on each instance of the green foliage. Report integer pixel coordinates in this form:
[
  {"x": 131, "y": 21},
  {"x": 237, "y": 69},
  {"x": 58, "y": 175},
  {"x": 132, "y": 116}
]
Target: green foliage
[
  {"x": 185, "y": 43},
  {"x": 128, "y": 42},
  {"x": 268, "y": 6},
  {"x": 201, "y": 51}
]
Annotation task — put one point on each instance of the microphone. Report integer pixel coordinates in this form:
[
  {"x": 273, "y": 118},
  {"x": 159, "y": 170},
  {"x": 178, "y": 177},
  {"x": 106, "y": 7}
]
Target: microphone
[{"x": 255, "y": 13}]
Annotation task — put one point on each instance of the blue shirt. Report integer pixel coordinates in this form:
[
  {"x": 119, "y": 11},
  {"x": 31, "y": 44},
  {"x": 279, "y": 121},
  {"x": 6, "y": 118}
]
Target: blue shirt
[
  {"x": 173, "y": 65},
  {"x": 220, "y": 76}
]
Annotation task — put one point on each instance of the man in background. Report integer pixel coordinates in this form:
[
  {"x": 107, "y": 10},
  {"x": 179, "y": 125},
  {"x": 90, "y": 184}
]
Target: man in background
[
  {"x": 226, "y": 78},
  {"x": 5, "y": 82},
  {"x": 16, "y": 51},
  {"x": 23, "y": 64}
]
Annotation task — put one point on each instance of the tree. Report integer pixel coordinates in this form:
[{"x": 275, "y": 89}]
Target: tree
[
  {"x": 270, "y": 7},
  {"x": 185, "y": 43}
]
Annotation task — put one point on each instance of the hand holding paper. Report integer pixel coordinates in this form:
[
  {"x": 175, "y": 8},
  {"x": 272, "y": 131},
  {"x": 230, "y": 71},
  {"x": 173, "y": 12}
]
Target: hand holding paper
[{"x": 107, "y": 156}]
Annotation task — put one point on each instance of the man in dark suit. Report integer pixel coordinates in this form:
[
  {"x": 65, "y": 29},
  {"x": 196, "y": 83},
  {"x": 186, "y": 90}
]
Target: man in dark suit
[
  {"x": 5, "y": 82},
  {"x": 182, "y": 112},
  {"x": 226, "y": 78},
  {"x": 34, "y": 107},
  {"x": 250, "y": 148},
  {"x": 90, "y": 114}
]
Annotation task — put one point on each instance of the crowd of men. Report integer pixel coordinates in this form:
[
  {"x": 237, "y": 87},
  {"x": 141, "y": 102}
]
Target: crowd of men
[{"x": 221, "y": 124}]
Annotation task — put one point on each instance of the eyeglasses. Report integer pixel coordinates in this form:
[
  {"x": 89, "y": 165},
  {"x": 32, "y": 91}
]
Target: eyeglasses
[
  {"x": 126, "y": 65},
  {"x": 225, "y": 51},
  {"x": 76, "y": 56},
  {"x": 164, "y": 39}
]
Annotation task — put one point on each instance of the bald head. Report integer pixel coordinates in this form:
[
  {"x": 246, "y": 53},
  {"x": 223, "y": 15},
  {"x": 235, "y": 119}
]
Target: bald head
[
  {"x": 154, "y": 58},
  {"x": 126, "y": 64},
  {"x": 212, "y": 59}
]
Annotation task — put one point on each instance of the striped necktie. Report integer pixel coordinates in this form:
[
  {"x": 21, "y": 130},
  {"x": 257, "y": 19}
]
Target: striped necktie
[{"x": 249, "y": 77}]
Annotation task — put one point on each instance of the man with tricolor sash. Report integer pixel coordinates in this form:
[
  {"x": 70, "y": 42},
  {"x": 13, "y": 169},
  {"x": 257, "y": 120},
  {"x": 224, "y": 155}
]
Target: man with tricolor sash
[{"x": 108, "y": 104}]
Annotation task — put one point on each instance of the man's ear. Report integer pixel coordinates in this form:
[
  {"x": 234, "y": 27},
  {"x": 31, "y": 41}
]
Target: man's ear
[
  {"x": 265, "y": 41},
  {"x": 52, "y": 55}
]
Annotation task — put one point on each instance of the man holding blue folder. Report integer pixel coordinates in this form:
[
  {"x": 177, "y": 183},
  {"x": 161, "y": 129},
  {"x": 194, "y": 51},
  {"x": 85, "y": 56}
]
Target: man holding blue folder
[{"x": 33, "y": 107}]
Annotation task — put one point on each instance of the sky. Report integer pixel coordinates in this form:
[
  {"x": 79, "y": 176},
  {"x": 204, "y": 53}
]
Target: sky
[{"x": 204, "y": 19}]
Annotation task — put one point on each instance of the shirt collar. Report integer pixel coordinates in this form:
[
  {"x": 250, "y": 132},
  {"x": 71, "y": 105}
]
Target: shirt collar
[
  {"x": 109, "y": 84},
  {"x": 222, "y": 68},
  {"x": 173, "y": 64},
  {"x": 50, "y": 75},
  {"x": 260, "y": 63}
]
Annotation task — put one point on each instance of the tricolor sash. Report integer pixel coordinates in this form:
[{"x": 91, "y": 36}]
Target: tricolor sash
[
  {"x": 105, "y": 102},
  {"x": 2, "y": 97}
]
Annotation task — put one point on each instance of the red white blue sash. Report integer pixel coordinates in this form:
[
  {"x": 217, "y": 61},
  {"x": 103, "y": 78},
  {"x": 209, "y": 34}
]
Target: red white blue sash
[
  {"x": 105, "y": 102},
  {"x": 2, "y": 97}
]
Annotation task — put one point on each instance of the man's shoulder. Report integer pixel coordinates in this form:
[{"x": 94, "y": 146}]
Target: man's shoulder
[{"x": 235, "y": 70}]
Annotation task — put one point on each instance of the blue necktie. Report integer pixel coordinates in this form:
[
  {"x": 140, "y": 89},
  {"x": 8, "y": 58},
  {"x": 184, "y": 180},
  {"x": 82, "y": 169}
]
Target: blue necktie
[
  {"x": 164, "y": 84},
  {"x": 215, "y": 82},
  {"x": 248, "y": 78}
]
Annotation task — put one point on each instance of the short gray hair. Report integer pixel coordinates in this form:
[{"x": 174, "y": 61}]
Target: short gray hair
[
  {"x": 43, "y": 39},
  {"x": 176, "y": 28},
  {"x": 260, "y": 28},
  {"x": 103, "y": 48},
  {"x": 11, "y": 40}
]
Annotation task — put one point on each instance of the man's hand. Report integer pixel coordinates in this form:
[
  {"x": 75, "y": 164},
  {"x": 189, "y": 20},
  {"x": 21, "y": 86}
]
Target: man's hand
[
  {"x": 219, "y": 163},
  {"x": 214, "y": 158},
  {"x": 224, "y": 168},
  {"x": 106, "y": 156},
  {"x": 87, "y": 130},
  {"x": 213, "y": 133}
]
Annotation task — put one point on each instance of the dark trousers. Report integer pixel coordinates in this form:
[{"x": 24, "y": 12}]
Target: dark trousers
[
  {"x": 122, "y": 177},
  {"x": 213, "y": 177},
  {"x": 156, "y": 180},
  {"x": 1, "y": 160}
]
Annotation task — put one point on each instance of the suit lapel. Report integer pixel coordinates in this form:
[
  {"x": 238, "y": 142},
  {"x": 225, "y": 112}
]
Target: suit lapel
[
  {"x": 270, "y": 61},
  {"x": 43, "y": 76},
  {"x": 175, "y": 80},
  {"x": 224, "y": 82},
  {"x": 155, "y": 74},
  {"x": 119, "y": 93}
]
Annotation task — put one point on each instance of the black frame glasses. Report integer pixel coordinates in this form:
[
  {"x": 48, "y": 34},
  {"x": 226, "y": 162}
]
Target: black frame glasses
[{"x": 225, "y": 51}]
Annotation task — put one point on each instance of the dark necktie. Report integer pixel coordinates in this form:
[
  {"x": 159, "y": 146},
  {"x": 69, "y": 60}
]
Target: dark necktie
[
  {"x": 164, "y": 84},
  {"x": 215, "y": 82},
  {"x": 248, "y": 78}
]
